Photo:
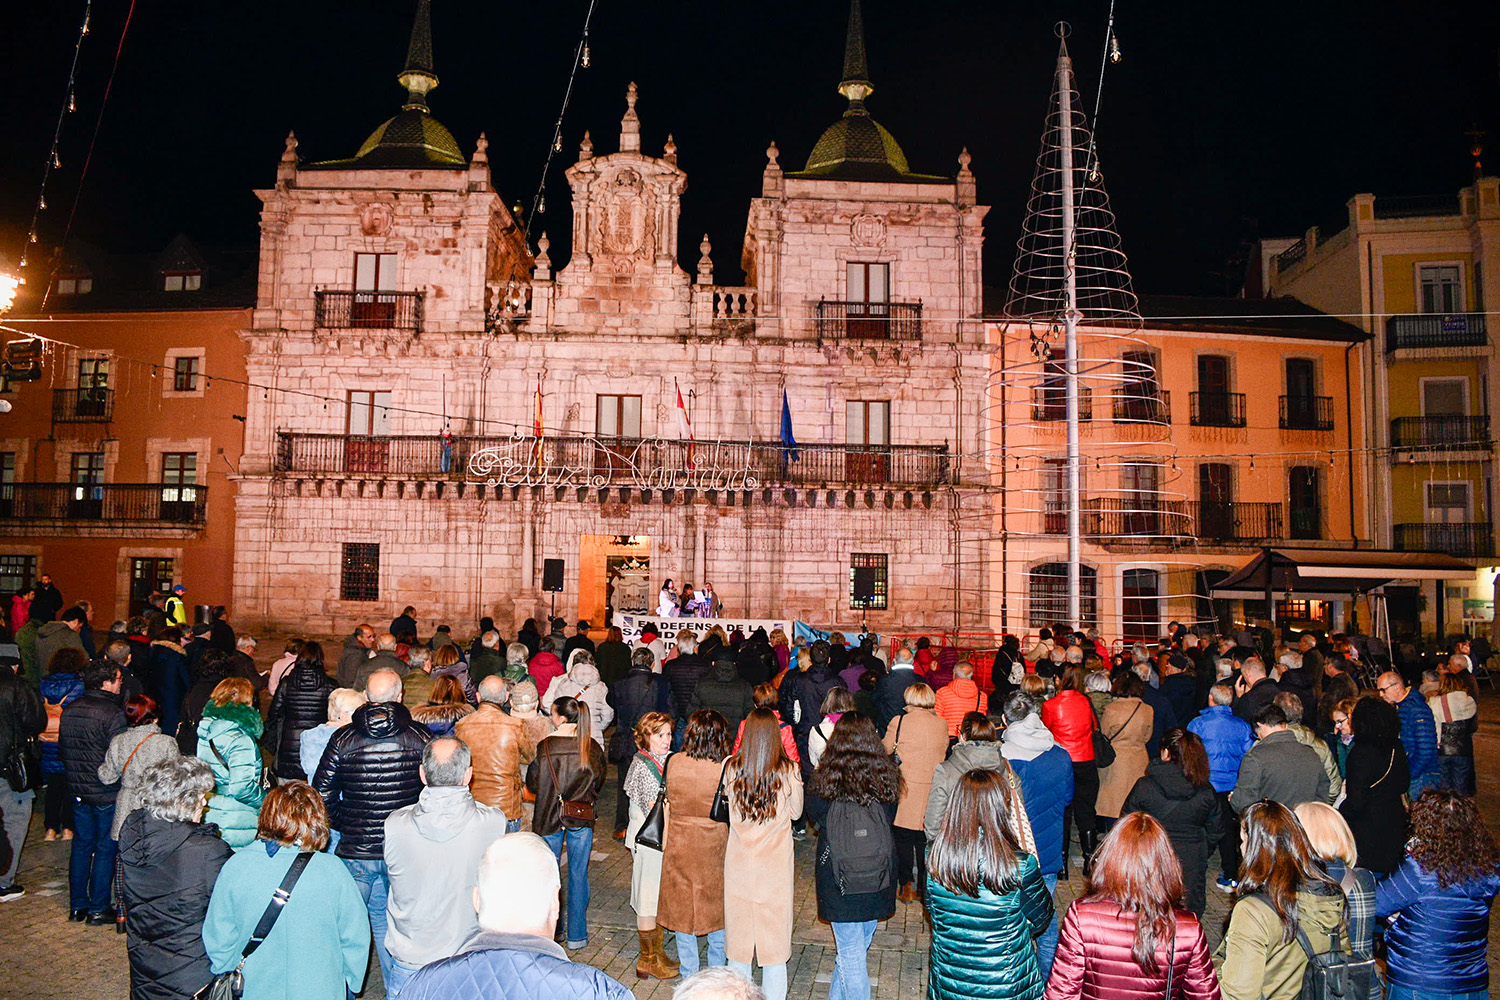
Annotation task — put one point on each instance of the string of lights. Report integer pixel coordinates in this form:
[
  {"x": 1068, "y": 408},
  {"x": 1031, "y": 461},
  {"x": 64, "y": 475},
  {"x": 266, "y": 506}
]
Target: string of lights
[
  {"x": 1111, "y": 54},
  {"x": 581, "y": 60},
  {"x": 54, "y": 157}
]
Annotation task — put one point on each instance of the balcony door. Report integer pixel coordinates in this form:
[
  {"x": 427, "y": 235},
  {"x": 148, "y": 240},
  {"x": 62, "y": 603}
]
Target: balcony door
[
  {"x": 617, "y": 425},
  {"x": 1445, "y": 411},
  {"x": 148, "y": 575},
  {"x": 1213, "y": 390},
  {"x": 1215, "y": 500},
  {"x": 367, "y": 428},
  {"x": 86, "y": 502},
  {"x": 867, "y": 431},
  {"x": 1140, "y": 393},
  {"x": 1141, "y": 483},
  {"x": 1306, "y": 502},
  {"x": 374, "y": 273},
  {"x": 179, "y": 476},
  {"x": 93, "y": 387},
  {"x": 869, "y": 291},
  {"x": 1141, "y": 605},
  {"x": 1441, "y": 288},
  {"x": 1448, "y": 503},
  {"x": 1301, "y": 393}
]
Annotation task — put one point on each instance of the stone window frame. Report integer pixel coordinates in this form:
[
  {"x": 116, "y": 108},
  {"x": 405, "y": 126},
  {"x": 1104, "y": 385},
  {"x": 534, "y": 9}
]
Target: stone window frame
[
  {"x": 169, "y": 366},
  {"x": 122, "y": 570},
  {"x": 157, "y": 447},
  {"x": 65, "y": 448}
]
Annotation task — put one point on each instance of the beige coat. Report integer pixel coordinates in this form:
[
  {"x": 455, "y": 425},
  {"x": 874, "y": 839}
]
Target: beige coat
[
  {"x": 1129, "y": 736},
  {"x": 692, "y": 874},
  {"x": 758, "y": 878},
  {"x": 921, "y": 739}
]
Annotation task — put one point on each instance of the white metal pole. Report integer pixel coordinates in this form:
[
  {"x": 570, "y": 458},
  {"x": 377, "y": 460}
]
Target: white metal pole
[{"x": 1070, "y": 362}]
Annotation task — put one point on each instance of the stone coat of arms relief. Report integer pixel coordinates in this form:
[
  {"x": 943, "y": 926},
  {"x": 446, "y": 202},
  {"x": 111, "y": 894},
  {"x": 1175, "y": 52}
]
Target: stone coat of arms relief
[{"x": 625, "y": 214}]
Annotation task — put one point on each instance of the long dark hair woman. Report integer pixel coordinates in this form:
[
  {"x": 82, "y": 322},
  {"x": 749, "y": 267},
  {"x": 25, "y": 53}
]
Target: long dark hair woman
[
  {"x": 764, "y": 787},
  {"x": 1282, "y": 889},
  {"x": 852, "y": 797},
  {"x": 1439, "y": 945},
  {"x": 1375, "y": 783},
  {"x": 986, "y": 897},
  {"x": 1177, "y": 792},
  {"x": 299, "y": 704},
  {"x": 1132, "y": 923},
  {"x": 566, "y": 777},
  {"x": 692, "y": 876}
]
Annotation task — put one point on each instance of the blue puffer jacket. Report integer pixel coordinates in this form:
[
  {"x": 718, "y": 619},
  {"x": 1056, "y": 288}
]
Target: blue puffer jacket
[
  {"x": 1046, "y": 786},
  {"x": 1418, "y": 734},
  {"x": 1438, "y": 937},
  {"x": 57, "y": 690},
  {"x": 982, "y": 946},
  {"x": 493, "y": 964},
  {"x": 1227, "y": 738}
]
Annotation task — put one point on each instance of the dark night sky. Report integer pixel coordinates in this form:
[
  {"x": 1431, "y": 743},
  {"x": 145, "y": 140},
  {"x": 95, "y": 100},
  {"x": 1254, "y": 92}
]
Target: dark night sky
[{"x": 1222, "y": 122}]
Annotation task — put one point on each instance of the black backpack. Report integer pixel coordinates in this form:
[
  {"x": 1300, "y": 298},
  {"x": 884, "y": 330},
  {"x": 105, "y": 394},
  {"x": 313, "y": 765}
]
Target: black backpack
[
  {"x": 1335, "y": 974},
  {"x": 860, "y": 847}
]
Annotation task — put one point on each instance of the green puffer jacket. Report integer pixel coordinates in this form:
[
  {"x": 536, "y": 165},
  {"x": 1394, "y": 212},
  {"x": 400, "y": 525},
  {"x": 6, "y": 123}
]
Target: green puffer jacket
[
  {"x": 234, "y": 731},
  {"x": 982, "y": 947}
]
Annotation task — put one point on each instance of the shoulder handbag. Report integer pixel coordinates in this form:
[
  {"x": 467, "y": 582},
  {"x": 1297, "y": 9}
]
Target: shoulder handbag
[
  {"x": 23, "y": 765},
  {"x": 265, "y": 782},
  {"x": 896, "y": 749},
  {"x": 718, "y": 809},
  {"x": 653, "y": 831},
  {"x": 582, "y": 812},
  {"x": 1109, "y": 741},
  {"x": 231, "y": 985},
  {"x": 1104, "y": 750}
]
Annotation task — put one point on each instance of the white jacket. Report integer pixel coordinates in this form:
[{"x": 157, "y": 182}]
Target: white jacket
[{"x": 582, "y": 682}]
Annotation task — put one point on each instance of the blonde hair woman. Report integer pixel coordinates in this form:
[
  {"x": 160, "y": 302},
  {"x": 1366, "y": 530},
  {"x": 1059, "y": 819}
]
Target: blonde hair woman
[{"x": 919, "y": 737}]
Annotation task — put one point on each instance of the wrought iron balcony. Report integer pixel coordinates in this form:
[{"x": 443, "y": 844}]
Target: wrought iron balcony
[
  {"x": 1218, "y": 409},
  {"x": 83, "y": 406},
  {"x": 1441, "y": 433},
  {"x": 1049, "y": 402},
  {"x": 869, "y": 320},
  {"x": 1428, "y": 330},
  {"x": 151, "y": 504},
  {"x": 1236, "y": 522},
  {"x": 645, "y": 462},
  {"x": 1121, "y": 518},
  {"x": 1307, "y": 413},
  {"x": 346, "y": 310},
  {"x": 1143, "y": 408},
  {"x": 1472, "y": 538}
]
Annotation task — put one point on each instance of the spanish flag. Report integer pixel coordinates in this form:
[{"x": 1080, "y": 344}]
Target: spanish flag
[{"x": 536, "y": 425}]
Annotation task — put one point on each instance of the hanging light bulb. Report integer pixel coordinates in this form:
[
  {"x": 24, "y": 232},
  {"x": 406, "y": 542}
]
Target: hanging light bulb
[
  {"x": 85, "y": 21},
  {"x": 541, "y": 204},
  {"x": 56, "y": 160},
  {"x": 72, "y": 103},
  {"x": 585, "y": 59},
  {"x": 41, "y": 204},
  {"x": 32, "y": 237},
  {"x": 1114, "y": 48}
]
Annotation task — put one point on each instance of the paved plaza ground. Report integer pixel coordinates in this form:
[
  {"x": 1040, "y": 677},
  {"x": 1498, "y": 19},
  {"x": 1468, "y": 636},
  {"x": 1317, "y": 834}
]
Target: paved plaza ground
[{"x": 43, "y": 956}]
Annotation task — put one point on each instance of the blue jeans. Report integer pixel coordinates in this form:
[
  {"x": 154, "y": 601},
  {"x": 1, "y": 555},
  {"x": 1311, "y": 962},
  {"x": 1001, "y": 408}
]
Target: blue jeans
[
  {"x": 772, "y": 978},
  {"x": 513, "y": 825},
  {"x": 851, "y": 969},
  {"x": 1046, "y": 943},
  {"x": 1456, "y": 773},
  {"x": 91, "y": 866},
  {"x": 580, "y": 842},
  {"x": 375, "y": 886},
  {"x": 687, "y": 951},
  {"x": 396, "y": 981},
  {"x": 1394, "y": 992},
  {"x": 1421, "y": 783}
]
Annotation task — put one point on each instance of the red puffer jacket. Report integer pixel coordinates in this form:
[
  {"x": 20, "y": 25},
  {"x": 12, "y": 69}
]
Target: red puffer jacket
[
  {"x": 1094, "y": 963},
  {"x": 1070, "y": 717}
]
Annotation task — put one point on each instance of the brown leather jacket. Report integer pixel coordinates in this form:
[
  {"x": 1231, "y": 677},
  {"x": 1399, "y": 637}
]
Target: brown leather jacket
[
  {"x": 558, "y": 754},
  {"x": 500, "y": 747}
]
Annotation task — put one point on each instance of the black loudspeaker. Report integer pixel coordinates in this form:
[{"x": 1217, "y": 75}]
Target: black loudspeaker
[
  {"x": 552, "y": 574},
  {"x": 864, "y": 584}
]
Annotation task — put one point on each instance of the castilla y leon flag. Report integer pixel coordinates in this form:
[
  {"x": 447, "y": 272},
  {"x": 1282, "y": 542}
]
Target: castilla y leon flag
[{"x": 685, "y": 428}]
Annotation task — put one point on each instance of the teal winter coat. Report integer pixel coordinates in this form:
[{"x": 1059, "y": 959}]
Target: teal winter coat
[
  {"x": 982, "y": 948},
  {"x": 234, "y": 731}
]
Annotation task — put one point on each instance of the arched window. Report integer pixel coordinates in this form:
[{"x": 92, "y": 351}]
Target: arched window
[{"x": 1048, "y": 589}]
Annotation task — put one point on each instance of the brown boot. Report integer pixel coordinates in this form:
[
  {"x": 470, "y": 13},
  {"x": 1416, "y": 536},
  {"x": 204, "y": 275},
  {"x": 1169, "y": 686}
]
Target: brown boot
[
  {"x": 668, "y": 962},
  {"x": 652, "y": 964}
]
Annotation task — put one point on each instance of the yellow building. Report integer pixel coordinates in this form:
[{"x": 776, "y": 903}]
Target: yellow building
[{"x": 1417, "y": 273}]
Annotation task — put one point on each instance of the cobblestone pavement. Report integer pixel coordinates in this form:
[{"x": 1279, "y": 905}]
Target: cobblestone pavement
[{"x": 44, "y": 956}]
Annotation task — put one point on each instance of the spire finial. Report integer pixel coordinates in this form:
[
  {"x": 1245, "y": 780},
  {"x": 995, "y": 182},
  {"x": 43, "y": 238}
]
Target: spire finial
[
  {"x": 856, "y": 85},
  {"x": 669, "y": 151},
  {"x": 289, "y": 154},
  {"x": 418, "y": 77},
  {"x": 481, "y": 147},
  {"x": 586, "y": 147},
  {"x": 771, "y": 154},
  {"x": 630, "y": 125}
]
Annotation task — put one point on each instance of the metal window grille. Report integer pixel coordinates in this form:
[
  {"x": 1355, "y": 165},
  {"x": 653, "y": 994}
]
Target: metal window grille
[
  {"x": 1048, "y": 586},
  {"x": 879, "y": 564},
  {"x": 360, "y": 579}
]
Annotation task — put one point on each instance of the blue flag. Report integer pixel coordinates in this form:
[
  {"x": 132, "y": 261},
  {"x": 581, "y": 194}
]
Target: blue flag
[{"x": 788, "y": 442}]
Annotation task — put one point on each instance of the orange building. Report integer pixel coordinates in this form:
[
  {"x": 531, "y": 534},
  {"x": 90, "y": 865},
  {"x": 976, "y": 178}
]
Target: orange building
[{"x": 115, "y": 463}]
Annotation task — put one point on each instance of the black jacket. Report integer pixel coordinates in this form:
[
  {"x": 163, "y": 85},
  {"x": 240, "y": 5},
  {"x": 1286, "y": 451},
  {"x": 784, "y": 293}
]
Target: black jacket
[
  {"x": 21, "y": 713},
  {"x": 1302, "y": 683},
  {"x": 300, "y": 704},
  {"x": 683, "y": 672},
  {"x": 1162, "y": 718},
  {"x": 1191, "y": 816},
  {"x": 726, "y": 692},
  {"x": 89, "y": 722},
  {"x": 368, "y": 772},
  {"x": 637, "y": 693},
  {"x": 169, "y": 873},
  {"x": 1263, "y": 693},
  {"x": 801, "y": 705},
  {"x": 579, "y": 641},
  {"x": 1376, "y": 776},
  {"x": 756, "y": 660},
  {"x": 890, "y": 694}
]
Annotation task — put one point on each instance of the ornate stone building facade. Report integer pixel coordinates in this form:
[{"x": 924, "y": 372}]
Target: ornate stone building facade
[{"x": 448, "y": 410}]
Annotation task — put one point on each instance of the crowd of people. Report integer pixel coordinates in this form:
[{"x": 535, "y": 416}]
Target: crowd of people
[{"x": 421, "y": 800}]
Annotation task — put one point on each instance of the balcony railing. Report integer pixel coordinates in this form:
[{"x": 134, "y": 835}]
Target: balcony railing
[
  {"x": 83, "y": 406},
  {"x": 346, "y": 310},
  {"x": 1236, "y": 522},
  {"x": 1427, "y": 330},
  {"x": 869, "y": 320},
  {"x": 1473, "y": 538},
  {"x": 117, "y": 503},
  {"x": 1439, "y": 433},
  {"x": 624, "y": 461},
  {"x": 1116, "y": 517},
  {"x": 1143, "y": 408},
  {"x": 1050, "y": 402},
  {"x": 1307, "y": 413},
  {"x": 1219, "y": 409}
]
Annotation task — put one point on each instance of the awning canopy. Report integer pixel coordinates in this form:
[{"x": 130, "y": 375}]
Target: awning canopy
[{"x": 1334, "y": 574}]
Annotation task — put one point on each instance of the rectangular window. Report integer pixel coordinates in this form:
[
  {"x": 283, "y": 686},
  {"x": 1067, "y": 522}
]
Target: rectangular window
[
  {"x": 869, "y": 291},
  {"x": 359, "y": 577},
  {"x": 1445, "y": 397},
  {"x": 1447, "y": 503},
  {"x": 74, "y": 286},
  {"x": 93, "y": 373},
  {"x": 16, "y": 574},
  {"x": 182, "y": 281},
  {"x": 367, "y": 424},
  {"x": 179, "y": 473},
  {"x": 869, "y": 580},
  {"x": 87, "y": 467},
  {"x": 374, "y": 272},
  {"x": 7, "y": 478},
  {"x": 1141, "y": 605},
  {"x": 1055, "y": 493},
  {"x": 617, "y": 416},
  {"x": 1047, "y": 590},
  {"x": 1306, "y": 502},
  {"x": 86, "y": 475},
  {"x": 185, "y": 373},
  {"x": 1141, "y": 484},
  {"x": 1440, "y": 287}
]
